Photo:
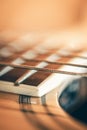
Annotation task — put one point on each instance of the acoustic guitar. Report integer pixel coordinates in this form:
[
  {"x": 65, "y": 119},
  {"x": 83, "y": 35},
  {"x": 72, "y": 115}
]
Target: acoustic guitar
[{"x": 33, "y": 77}]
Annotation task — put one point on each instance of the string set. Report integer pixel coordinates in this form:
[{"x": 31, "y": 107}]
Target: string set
[{"x": 47, "y": 69}]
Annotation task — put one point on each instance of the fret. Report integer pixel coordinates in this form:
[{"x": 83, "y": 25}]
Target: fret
[
  {"x": 42, "y": 50},
  {"x": 20, "y": 45},
  {"x": 25, "y": 42},
  {"x": 82, "y": 67},
  {"x": 3, "y": 69},
  {"x": 33, "y": 54},
  {"x": 12, "y": 53},
  {"x": 42, "y": 64},
  {"x": 71, "y": 54},
  {"x": 17, "y": 61},
  {"x": 6, "y": 52},
  {"x": 26, "y": 75},
  {"x": 43, "y": 69},
  {"x": 74, "y": 55},
  {"x": 8, "y": 68},
  {"x": 57, "y": 63},
  {"x": 35, "y": 69},
  {"x": 29, "y": 55},
  {"x": 12, "y": 75},
  {"x": 9, "y": 58},
  {"x": 36, "y": 78},
  {"x": 36, "y": 51},
  {"x": 47, "y": 61},
  {"x": 65, "y": 52},
  {"x": 12, "y": 59},
  {"x": 30, "y": 73}
]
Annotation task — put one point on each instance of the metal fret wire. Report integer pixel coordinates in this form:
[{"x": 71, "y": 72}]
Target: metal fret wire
[
  {"x": 67, "y": 56},
  {"x": 57, "y": 63},
  {"x": 42, "y": 69},
  {"x": 71, "y": 56},
  {"x": 27, "y": 74}
]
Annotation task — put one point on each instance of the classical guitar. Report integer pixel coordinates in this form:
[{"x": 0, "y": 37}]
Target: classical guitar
[{"x": 36, "y": 74}]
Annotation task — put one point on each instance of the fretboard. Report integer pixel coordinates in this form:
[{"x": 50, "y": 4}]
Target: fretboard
[{"x": 35, "y": 70}]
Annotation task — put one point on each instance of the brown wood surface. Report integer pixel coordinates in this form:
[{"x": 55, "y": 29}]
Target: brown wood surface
[{"x": 15, "y": 116}]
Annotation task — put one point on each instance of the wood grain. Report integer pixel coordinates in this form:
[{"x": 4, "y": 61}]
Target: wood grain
[{"x": 15, "y": 116}]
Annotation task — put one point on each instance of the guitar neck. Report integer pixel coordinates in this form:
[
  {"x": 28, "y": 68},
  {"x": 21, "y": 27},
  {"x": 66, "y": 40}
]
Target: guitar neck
[{"x": 30, "y": 68}]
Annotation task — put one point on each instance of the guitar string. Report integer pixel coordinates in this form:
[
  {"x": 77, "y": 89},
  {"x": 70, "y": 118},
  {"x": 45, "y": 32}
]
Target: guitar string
[
  {"x": 56, "y": 63},
  {"x": 42, "y": 69},
  {"x": 50, "y": 62}
]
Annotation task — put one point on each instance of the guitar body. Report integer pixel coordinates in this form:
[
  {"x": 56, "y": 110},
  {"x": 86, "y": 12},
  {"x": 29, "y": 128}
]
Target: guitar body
[{"x": 35, "y": 117}]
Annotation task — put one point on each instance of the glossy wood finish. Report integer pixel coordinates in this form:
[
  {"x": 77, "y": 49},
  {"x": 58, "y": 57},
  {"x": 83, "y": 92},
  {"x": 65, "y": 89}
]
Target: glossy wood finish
[{"x": 15, "y": 116}]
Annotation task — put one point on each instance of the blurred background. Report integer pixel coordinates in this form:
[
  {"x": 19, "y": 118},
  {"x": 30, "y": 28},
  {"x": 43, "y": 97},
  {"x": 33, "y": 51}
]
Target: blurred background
[
  {"x": 41, "y": 15},
  {"x": 65, "y": 19}
]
